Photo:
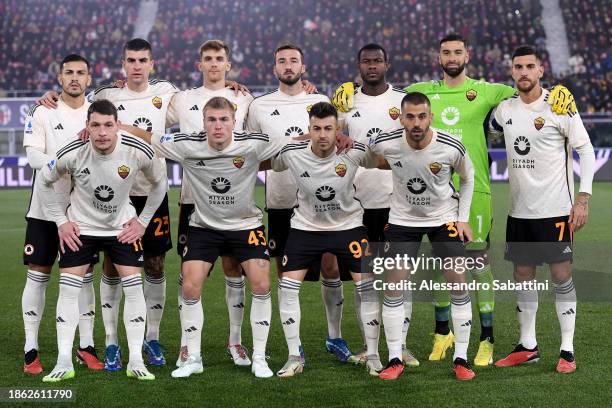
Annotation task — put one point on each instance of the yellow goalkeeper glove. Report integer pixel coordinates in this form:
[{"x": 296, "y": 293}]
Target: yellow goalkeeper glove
[
  {"x": 343, "y": 96},
  {"x": 561, "y": 100}
]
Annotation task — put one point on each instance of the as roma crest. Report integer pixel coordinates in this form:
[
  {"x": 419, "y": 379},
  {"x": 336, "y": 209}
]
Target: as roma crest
[
  {"x": 341, "y": 169},
  {"x": 538, "y": 122},
  {"x": 471, "y": 95},
  {"x": 238, "y": 161},
  {"x": 235, "y": 106},
  {"x": 435, "y": 167},
  {"x": 157, "y": 102},
  {"x": 394, "y": 113},
  {"x": 123, "y": 171},
  {"x": 308, "y": 108}
]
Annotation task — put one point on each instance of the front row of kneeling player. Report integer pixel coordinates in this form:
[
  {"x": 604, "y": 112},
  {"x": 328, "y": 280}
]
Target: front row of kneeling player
[{"x": 226, "y": 220}]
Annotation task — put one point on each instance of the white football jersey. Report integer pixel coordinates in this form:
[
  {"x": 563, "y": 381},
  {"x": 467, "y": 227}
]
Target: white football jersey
[
  {"x": 48, "y": 130},
  {"x": 279, "y": 114},
  {"x": 423, "y": 193},
  {"x": 99, "y": 202},
  {"x": 223, "y": 181},
  {"x": 371, "y": 116},
  {"x": 186, "y": 110},
  {"x": 146, "y": 110},
  {"x": 539, "y": 153},
  {"x": 326, "y": 194}
]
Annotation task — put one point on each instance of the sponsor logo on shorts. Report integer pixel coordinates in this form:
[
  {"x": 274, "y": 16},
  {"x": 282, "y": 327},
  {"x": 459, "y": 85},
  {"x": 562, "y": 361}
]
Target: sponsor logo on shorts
[
  {"x": 285, "y": 260},
  {"x": 182, "y": 239},
  {"x": 394, "y": 113},
  {"x": 157, "y": 102},
  {"x": 28, "y": 249},
  {"x": 123, "y": 171},
  {"x": 272, "y": 244},
  {"x": 185, "y": 251}
]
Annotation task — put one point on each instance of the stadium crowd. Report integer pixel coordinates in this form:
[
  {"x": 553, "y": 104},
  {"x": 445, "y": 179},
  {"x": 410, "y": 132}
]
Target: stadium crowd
[{"x": 29, "y": 49}]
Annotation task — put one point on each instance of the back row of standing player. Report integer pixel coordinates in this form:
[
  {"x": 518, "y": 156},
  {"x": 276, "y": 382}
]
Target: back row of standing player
[{"x": 144, "y": 103}]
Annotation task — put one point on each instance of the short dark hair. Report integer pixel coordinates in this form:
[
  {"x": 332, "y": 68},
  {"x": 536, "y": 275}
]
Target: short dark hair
[
  {"x": 453, "y": 37},
  {"x": 415, "y": 98},
  {"x": 372, "y": 46},
  {"x": 73, "y": 58},
  {"x": 137, "y": 44},
  {"x": 323, "y": 110},
  {"x": 289, "y": 46},
  {"x": 103, "y": 107},
  {"x": 523, "y": 50},
  {"x": 219, "y": 102},
  {"x": 216, "y": 45}
]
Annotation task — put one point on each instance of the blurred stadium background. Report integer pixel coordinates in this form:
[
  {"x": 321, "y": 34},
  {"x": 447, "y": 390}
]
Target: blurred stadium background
[{"x": 574, "y": 37}]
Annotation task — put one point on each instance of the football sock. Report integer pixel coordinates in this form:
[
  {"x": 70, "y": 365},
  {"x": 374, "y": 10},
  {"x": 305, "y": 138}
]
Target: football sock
[
  {"x": 180, "y": 308},
  {"x": 33, "y": 306},
  {"x": 87, "y": 311},
  {"x": 407, "y": 315},
  {"x": 393, "y": 318},
  {"x": 357, "y": 295},
  {"x": 192, "y": 322},
  {"x": 67, "y": 316},
  {"x": 461, "y": 313},
  {"x": 289, "y": 305},
  {"x": 441, "y": 301},
  {"x": 565, "y": 304},
  {"x": 134, "y": 316},
  {"x": 486, "y": 301},
  {"x": 234, "y": 297},
  {"x": 370, "y": 314},
  {"x": 110, "y": 298},
  {"x": 333, "y": 299},
  {"x": 526, "y": 308},
  {"x": 155, "y": 297},
  {"x": 261, "y": 317}
]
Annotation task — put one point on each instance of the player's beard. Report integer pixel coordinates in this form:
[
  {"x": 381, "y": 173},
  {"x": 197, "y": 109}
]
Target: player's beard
[
  {"x": 373, "y": 82},
  {"x": 453, "y": 72},
  {"x": 290, "y": 80},
  {"x": 527, "y": 88}
]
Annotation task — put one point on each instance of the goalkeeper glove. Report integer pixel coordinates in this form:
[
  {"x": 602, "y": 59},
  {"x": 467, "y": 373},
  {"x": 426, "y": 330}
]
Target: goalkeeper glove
[
  {"x": 561, "y": 100},
  {"x": 343, "y": 96}
]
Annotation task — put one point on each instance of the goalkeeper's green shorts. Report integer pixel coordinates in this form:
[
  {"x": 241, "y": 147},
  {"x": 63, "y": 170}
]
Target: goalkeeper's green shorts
[{"x": 481, "y": 218}]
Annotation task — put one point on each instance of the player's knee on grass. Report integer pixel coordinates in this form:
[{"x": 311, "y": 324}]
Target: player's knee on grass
[
  {"x": 231, "y": 267},
  {"x": 40, "y": 268},
  {"x": 154, "y": 265},
  {"x": 560, "y": 272}
]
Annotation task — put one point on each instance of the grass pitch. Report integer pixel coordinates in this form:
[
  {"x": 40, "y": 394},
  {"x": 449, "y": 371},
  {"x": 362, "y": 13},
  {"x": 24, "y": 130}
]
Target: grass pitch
[{"x": 324, "y": 381}]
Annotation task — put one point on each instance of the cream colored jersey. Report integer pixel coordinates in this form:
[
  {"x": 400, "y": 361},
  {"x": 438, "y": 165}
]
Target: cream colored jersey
[
  {"x": 186, "y": 111},
  {"x": 47, "y": 130},
  {"x": 326, "y": 194},
  {"x": 539, "y": 153},
  {"x": 371, "y": 116},
  {"x": 277, "y": 113},
  {"x": 100, "y": 202},
  {"x": 146, "y": 110},
  {"x": 423, "y": 194},
  {"x": 223, "y": 181}
]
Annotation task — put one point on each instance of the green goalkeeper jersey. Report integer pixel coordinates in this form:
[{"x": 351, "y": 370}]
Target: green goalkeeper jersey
[{"x": 461, "y": 112}]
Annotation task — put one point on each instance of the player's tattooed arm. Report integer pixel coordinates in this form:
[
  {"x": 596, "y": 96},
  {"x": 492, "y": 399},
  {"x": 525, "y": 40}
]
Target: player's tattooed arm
[
  {"x": 309, "y": 87},
  {"x": 138, "y": 132}
]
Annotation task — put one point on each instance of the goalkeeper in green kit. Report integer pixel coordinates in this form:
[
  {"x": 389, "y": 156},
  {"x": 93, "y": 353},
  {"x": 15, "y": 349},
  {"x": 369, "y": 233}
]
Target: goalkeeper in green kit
[{"x": 460, "y": 105}]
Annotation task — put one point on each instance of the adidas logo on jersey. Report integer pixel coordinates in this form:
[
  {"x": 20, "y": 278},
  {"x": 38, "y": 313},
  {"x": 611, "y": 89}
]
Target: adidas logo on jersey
[
  {"x": 194, "y": 108},
  {"x": 509, "y": 122},
  {"x": 120, "y": 108},
  {"x": 85, "y": 171},
  {"x": 356, "y": 115},
  {"x": 59, "y": 127},
  {"x": 201, "y": 163},
  {"x": 398, "y": 164},
  {"x": 275, "y": 113},
  {"x": 567, "y": 250},
  {"x": 305, "y": 174},
  {"x": 436, "y": 97}
]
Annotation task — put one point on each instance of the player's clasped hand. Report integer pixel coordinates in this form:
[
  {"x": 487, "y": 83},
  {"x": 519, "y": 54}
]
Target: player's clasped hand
[
  {"x": 132, "y": 230},
  {"x": 48, "y": 100},
  {"x": 465, "y": 232},
  {"x": 69, "y": 234}
]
